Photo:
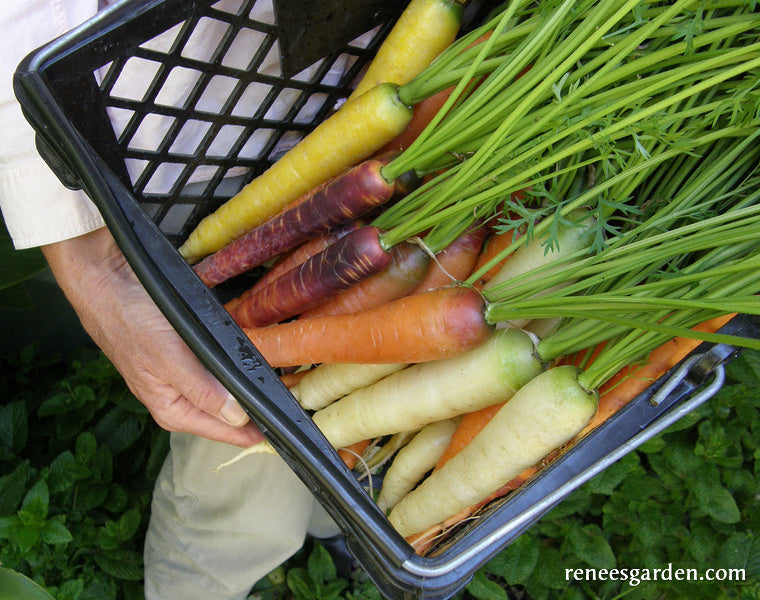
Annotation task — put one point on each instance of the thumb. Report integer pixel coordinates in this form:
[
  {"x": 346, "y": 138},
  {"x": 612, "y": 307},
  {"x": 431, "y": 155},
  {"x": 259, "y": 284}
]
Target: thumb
[
  {"x": 206, "y": 393},
  {"x": 231, "y": 412}
]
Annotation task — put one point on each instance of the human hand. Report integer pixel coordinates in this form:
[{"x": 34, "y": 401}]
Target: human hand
[{"x": 159, "y": 368}]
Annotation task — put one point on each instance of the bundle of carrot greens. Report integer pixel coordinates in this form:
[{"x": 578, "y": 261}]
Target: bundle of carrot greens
[{"x": 585, "y": 192}]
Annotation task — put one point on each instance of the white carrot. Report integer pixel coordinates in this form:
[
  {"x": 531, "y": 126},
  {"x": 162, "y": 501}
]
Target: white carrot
[
  {"x": 543, "y": 415},
  {"x": 330, "y": 381},
  {"x": 432, "y": 391},
  {"x": 572, "y": 236},
  {"x": 413, "y": 461}
]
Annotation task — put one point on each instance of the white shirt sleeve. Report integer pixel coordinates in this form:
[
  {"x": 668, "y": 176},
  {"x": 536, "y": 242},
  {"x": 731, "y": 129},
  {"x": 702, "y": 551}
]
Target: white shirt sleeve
[{"x": 36, "y": 207}]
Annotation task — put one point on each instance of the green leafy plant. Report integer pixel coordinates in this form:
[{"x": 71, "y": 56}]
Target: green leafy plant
[
  {"x": 78, "y": 457},
  {"x": 312, "y": 575}
]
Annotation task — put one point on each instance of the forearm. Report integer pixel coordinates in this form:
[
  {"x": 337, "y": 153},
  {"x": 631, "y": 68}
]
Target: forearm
[{"x": 89, "y": 269}]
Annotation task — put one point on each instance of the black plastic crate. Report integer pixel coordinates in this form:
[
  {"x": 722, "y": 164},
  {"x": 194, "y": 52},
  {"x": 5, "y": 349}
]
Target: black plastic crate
[{"x": 240, "y": 117}]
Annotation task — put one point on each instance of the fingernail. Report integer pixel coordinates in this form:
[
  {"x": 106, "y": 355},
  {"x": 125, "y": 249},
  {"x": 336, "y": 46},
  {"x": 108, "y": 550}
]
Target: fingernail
[{"x": 233, "y": 413}]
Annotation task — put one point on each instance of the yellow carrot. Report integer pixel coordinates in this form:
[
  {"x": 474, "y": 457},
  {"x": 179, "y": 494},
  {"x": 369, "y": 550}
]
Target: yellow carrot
[
  {"x": 422, "y": 32},
  {"x": 355, "y": 132}
]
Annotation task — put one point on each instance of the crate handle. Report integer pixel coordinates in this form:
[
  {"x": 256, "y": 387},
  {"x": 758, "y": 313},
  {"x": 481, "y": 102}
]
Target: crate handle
[
  {"x": 60, "y": 166},
  {"x": 699, "y": 364}
]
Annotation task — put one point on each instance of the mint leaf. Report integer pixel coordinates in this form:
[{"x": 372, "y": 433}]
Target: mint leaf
[
  {"x": 27, "y": 537},
  {"x": 12, "y": 488},
  {"x": 518, "y": 560},
  {"x": 301, "y": 584},
  {"x": 14, "y": 428},
  {"x": 9, "y": 527},
  {"x": 100, "y": 586},
  {"x": 128, "y": 523},
  {"x": 159, "y": 447},
  {"x": 56, "y": 404},
  {"x": 119, "y": 429},
  {"x": 332, "y": 589},
  {"x": 93, "y": 497},
  {"x": 86, "y": 446},
  {"x": 681, "y": 458},
  {"x": 320, "y": 564},
  {"x": 121, "y": 564},
  {"x": 606, "y": 481},
  {"x": 117, "y": 499},
  {"x": 717, "y": 446},
  {"x": 702, "y": 543},
  {"x": 752, "y": 360},
  {"x": 483, "y": 588},
  {"x": 36, "y": 501},
  {"x": 65, "y": 471},
  {"x": 590, "y": 545},
  {"x": 70, "y": 590},
  {"x": 746, "y": 368},
  {"x": 55, "y": 532},
  {"x": 551, "y": 574},
  {"x": 741, "y": 551},
  {"x": 715, "y": 500}
]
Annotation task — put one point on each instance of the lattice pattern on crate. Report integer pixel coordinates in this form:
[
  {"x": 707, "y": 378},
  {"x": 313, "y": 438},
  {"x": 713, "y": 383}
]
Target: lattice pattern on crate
[{"x": 205, "y": 105}]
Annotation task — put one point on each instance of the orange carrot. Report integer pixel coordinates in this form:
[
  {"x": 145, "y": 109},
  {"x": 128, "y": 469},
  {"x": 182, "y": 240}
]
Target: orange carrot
[
  {"x": 468, "y": 428},
  {"x": 633, "y": 380},
  {"x": 455, "y": 262},
  {"x": 291, "y": 379},
  {"x": 419, "y": 328},
  {"x": 408, "y": 264},
  {"x": 492, "y": 247},
  {"x": 350, "y": 454},
  {"x": 424, "y": 112}
]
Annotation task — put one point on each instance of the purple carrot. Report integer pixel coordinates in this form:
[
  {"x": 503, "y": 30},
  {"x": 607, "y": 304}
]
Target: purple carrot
[
  {"x": 408, "y": 265},
  {"x": 295, "y": 258},
  {"x": 342, "y": 199},
  {"x": 339, "y": 266}
]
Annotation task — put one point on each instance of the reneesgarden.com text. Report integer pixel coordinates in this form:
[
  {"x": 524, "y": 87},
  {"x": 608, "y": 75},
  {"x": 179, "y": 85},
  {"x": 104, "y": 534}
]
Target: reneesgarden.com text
[{"x": 635, "y": 577}]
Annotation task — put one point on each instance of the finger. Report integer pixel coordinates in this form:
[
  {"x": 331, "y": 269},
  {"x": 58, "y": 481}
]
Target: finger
[
  {"x": 180, "y": 415},
  {"x": 204, "y": 391}
]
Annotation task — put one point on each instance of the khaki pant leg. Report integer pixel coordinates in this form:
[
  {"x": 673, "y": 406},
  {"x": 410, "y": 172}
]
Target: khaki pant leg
[{"x": 212, "y": 536}]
